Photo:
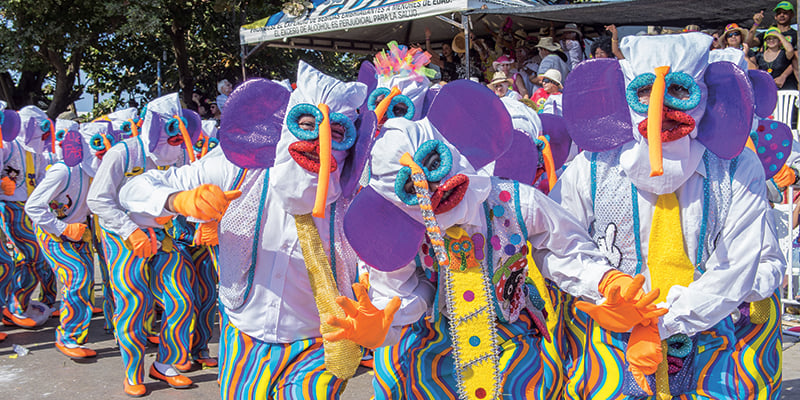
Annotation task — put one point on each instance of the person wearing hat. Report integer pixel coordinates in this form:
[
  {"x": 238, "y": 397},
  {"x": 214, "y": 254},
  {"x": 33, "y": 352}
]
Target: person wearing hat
[
  {"x": 501, "y": 86},
  {"x": 551, "y": 86},
  {"x": 734, "y": 36},
  {"x": 506, "y": 65},
  {"x": 571, "y": 40},
  {"x": 448, "y": 60},
  {"x": 775, "y": 57},
  {"x": 552, "y": 58},
  {"x": 784, "y": 16}
]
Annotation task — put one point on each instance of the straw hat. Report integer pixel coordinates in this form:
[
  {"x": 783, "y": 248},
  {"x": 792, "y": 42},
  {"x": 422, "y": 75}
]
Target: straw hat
[
  {"x": 459, "y": 44},
  {"x": 733, "y": 28},
  {"x": 500, "y": 77},
  {"x": 554, "y": 75},
  {"x": 547, "y": 44}
]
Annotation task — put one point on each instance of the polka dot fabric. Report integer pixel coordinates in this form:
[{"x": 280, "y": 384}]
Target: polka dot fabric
[{"x": 773, "y": 146}]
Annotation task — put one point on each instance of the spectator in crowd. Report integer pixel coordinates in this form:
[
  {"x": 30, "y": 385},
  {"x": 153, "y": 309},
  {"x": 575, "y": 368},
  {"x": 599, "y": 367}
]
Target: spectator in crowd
[
  {"x": 527, "y": 65},
  {"x": 552, "y": 58},
  {"x": 501, "y": 86},
  {"x": 572, "y": 42},
  {"x": 551, "y": 86},
  {"x": 601, "y": 48},
  {"x": 225, "y": 88},
  {"x": 615, "y": 41},
  {"x": 214, "y": 112},
  {"x": 784, "y": 16},
  {"x": 448, "y": 61},
  {"x": 716, "y": 44},
  {"x": 775, "y": 57},
  {"x": 734, "y": 36},
  {"x": 505, "y": 64}
]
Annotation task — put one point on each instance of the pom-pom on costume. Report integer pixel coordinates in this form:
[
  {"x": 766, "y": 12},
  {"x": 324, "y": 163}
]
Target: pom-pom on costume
[
  {"x": 24, "y": 165},
  {"x": 484, "y": 337},
  {"x": 663, "y": 132},
  {"x": 268, "y": 240},
  {"x": 139, "y": 252},
  {"x": 57, "y": 207}
]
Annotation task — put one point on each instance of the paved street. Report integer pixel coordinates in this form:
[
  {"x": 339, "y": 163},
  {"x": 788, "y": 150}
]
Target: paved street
[{"x": 45, "y": 373}]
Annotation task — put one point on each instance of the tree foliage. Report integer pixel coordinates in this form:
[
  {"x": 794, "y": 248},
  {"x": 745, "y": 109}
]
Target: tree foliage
[{"x": 119, "y": 45}]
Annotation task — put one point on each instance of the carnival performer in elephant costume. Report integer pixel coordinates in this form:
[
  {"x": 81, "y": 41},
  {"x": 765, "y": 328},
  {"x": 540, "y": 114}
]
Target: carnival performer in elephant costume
[{"x": 665, "y": 190}]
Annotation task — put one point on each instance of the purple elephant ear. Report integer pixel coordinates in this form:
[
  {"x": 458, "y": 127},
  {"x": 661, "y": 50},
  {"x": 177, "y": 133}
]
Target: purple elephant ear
[
  {"x": 595, "y": 110},
  {"x": 154, "y": 131},
  {"x": 560, "y": 142},
  {"x": 728, "y": 118},
  {"x": 765, "y": 92},
  {"x": 194, "y": 124},
  {"x": 251, "y": 124},
  {"x": 382, "y": 235},
  {"x": 72, "y": 148},
  {"x": 11, "y": 124},
  {"x": 368, "y": 75},
  {"x": 31, "y": 129},
  {"x": 473, "y": 119},
  {"x": 430, "y": 96},
  {"x": 774, "y": 145},
  {"x": 359, "y": 153},
  {"x": 520, "y": 161}
]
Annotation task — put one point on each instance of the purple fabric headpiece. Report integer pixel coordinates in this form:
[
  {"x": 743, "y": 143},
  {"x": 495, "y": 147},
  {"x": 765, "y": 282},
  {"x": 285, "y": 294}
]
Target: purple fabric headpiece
[
  {"x": 368, "y": 75},
  {"x": 520, "y": 161},
  {"x": 72, "y": 148},
  {"x": 11, "y": 124},
  {"x": 359, "y": 154},
  {"x": 555, "y": 127},
  {"x": 475, "y": 122},
  {"x": 249, "y": 139},
  {"x": 598, "y": 118}
]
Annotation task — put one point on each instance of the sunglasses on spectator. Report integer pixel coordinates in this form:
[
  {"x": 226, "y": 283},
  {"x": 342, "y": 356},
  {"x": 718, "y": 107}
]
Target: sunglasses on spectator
[
  {"x": 732, "y": 34},
  {"x": 545, "y": 80}
]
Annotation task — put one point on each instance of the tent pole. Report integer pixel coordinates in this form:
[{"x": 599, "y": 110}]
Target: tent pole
[
  {"x": 465, "y": 24},
  {"x": 244, "y": 58}
]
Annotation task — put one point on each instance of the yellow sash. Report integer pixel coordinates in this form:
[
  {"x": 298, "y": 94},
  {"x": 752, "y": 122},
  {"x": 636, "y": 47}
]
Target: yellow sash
[{"x": 30, "y": 172}]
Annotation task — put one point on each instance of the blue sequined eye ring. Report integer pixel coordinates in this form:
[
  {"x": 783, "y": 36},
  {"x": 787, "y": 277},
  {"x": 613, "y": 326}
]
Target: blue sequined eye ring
[
  {"x": 349, "y": 132},
  {"x": 2, "y": 118},
  {"x": 632, "y": 92},
  {"x": 126, "y": 126},
  {"x": 401, "y": 98},
  {"x": 110, "y": 139},
  {"x": 173, "y": 127},
  {"x": 45, "y": 125},
  {"x": 294, "y": 116},
  {"x": 445, "y": 159},
  {"x": 96, "y": 142},
  {"x": 403, "y": 176},
  {"x": 372, "y": 102},
  {"x": 212, "y": 142},
  {"x": 60, "y": 135},
  {"x": 682, "y": 79}
]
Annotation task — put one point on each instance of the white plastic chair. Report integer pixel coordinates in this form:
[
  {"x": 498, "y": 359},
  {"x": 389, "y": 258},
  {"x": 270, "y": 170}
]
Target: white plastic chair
[{"x": 787, "y": 102}]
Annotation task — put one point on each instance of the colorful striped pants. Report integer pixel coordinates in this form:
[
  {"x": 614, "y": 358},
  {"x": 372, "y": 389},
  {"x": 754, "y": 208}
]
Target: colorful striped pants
[
  {"x": 256, "y": 370},
  {"x": 72, "y": 263},
  {"x": 33, "y": 269},
  {"x": 204, "y": 286},
  {"x": 131, "y": 282},
  {"x": 758, "y": 356},
  {"x": 596, "y": 363},
  {"x": 426, "y": 370}
]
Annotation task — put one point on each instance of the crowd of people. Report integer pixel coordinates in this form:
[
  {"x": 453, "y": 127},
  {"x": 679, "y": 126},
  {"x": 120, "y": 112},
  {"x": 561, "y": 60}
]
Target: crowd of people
[{"x": 551, "y": 228}]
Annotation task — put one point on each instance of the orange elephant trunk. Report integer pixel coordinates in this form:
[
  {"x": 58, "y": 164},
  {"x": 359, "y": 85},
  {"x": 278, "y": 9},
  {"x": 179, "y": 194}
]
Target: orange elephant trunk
[
  {"x": 549, "y": 164},
  {"x": 187, "y": 140},
  {"x": 324, "y": 162},
  {"x": 52, "y": 137},
  {"x": 655, "y": 114},
  {"x": 383, "y": 106}
]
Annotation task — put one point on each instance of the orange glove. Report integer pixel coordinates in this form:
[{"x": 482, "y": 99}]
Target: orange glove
[
  {"x": 74, "y": 231},
  {"x": 206, "y": 234},
  {"x": 620, "y": 313},
  {"x": 142, "y": 247},
  {"x": 364, "y": 324},
  {"x": 785, "y": 177},
  {"x": 8, "y": 186},
  {"x": 206, "y": 202},
  {"x": 614, "y": 278},
  {"x": 163, "y": 220},
  {"x": 644, "y": 352}
]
